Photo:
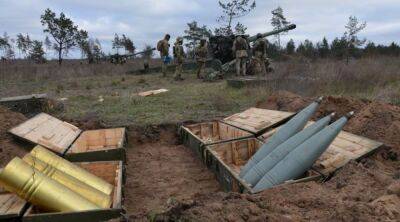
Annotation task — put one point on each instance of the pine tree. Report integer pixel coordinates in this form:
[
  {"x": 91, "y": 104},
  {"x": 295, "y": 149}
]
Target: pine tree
[
  {"x": 233, "y": 9},
  {"x": 36, "y": 52},
  {"x": 193, "y": 35},
  {"x": 63, "y": 31},
  {"x": 290, "y": 47},
  {"x": 278, "y": 21},
  {"x": 352, "y": 41},
  {"x": 323, "y": 48}
]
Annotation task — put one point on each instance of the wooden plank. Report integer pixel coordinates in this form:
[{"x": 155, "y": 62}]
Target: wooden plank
[
  {"x": 17, "y": 207},
  {"x": 255, "y": 120},
  {"x": 94, "y": 140},
  {"x": 24, "y": 97},
  {"x": 152, "y": 92},
  {"x": 344, "y": 148},
  {"x": 7, "y": 204},
  {"x": 47, "y": 131}
]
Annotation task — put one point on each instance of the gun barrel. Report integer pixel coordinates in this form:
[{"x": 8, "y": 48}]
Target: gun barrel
[
  {"x": 142, "y": 52},
  {"x": 284, "y": 29}
]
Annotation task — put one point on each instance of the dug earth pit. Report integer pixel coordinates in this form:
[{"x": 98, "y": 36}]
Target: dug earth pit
[{"x": 160, "y": 172}]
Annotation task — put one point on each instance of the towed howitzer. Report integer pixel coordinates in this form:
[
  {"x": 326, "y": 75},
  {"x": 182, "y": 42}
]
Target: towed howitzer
[
  {"x": 121, "y": 59},
  {"x": 221, "y": 46}
]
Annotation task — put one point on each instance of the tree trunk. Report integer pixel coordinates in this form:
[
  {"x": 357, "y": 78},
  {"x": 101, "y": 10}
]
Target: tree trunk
[
  {"x": 230, "y": 23},
  {"x": 60, "y": 54}
]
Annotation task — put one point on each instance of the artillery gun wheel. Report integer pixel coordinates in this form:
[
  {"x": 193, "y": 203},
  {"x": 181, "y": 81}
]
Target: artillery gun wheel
[{"x": 216, "y": 64}]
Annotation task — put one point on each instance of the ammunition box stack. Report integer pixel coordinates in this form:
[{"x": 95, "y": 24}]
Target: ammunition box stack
[
  {"x": 226, "y": 157},
  {"x": 70, "y": 175}
]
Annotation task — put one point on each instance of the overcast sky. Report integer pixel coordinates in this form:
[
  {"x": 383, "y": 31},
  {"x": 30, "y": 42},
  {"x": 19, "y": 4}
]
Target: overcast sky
[{"x": 146, "y": 21}]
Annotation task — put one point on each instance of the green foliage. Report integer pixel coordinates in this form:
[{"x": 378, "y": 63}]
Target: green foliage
[
  {"x": 290, "y": 47},
  {"x": 193, "y": 35},
  {"x": 123, "y": 42},
  {"x": 240, "y": 28},
  {"x": 323, "y": 48},
  {"x": 24, "y": 43},
  {"x": 231, "y": 10},
  {"x": 5, "y": 46},
  {"x": 63, "y": 31},
  {"x": 278, "y": 21},
  {"x": 36, "y": 52}
]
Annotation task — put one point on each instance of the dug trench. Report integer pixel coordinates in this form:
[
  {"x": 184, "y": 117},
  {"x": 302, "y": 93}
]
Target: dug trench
[{"x": 167, "y": 182}]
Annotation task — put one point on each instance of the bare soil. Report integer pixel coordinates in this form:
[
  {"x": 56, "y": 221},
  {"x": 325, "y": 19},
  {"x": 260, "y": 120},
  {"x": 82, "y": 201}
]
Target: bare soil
[
  {"x": 8, "y": 147},
  {"x": 368, "y": 190},
  {"x": 166, "y": 182},
  {"x": 161, "y": 172}
]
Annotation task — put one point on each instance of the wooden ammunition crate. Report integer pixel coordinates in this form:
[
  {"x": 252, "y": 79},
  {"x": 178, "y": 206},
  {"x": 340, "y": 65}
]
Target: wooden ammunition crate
[
  {"x": 196, "y": 136},
  {"x": 110, "y": 171},
  {"x": 226, "y": 159},
  {"x": 98, "y": 145},
  {"x": 68, "y": 140},
  {"x": 11, "y": 206},
  {"x": 249, "y": 123}
]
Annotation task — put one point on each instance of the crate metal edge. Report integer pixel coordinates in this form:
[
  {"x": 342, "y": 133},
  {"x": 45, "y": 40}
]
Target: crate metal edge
[{"x": 90, "y": 215}]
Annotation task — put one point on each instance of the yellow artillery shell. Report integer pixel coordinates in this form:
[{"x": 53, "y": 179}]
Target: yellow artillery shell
[
  {"x": 86, "y": 191},
  {"x": 71, "y": 169},
  {"x": 20, "y": 178}
]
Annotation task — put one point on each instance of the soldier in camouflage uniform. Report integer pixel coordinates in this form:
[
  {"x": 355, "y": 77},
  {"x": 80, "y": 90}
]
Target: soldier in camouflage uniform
[
  {"x": 240, "y": 47},
  {"x": 260, "y": 54},
  {"x": 201, "y": 57},
  {"x": 179, "y": 56},
  {"x": 163, "y": 48}
]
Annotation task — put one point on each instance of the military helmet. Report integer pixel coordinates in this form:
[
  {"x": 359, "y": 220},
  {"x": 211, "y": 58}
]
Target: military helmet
[
  {"x": 259, "y": 36},
  {"x": 179, "y": 39}
]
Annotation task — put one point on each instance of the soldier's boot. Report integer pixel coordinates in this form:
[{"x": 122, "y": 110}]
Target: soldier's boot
[{"x": 178, "y": 72}]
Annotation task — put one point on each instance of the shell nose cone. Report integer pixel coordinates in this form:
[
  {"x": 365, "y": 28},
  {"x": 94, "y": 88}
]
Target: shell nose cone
[
  {"x": 350, "y": 114},
  {"x": 319, "y": 100}
]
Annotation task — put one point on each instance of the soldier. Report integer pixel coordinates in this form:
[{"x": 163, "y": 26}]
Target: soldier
[
  {"x": 179, "y": 56},
  {"x": 201, "y": 56},
  {"x": 240, "y": 48},
  {"x": 260, "y": 54},
  {"x": 163, "y": 48}
]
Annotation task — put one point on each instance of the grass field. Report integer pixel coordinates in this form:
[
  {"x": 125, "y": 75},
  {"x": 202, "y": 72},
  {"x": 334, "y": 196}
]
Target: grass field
[{"x": 83, "y": 86}]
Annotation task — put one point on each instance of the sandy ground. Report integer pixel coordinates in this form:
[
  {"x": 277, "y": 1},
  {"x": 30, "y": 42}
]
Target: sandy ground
[
  {"x": 8, "y": 147},
  {"x": 160, "y": 172},
  {"x": 163, "y": 176},
  {"x": 367, "y": 190}
]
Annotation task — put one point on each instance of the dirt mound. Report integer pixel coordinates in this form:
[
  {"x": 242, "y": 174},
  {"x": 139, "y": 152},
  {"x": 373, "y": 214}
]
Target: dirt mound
[
  {"x": 9, "y": 148},
  {"x": 284, "y": 101},
  {"x": 367, "y": 190},
  {"x": 378, "y": 121},
  {"x": 356, "y": 193},
  {"x": 374, "y": 120}
]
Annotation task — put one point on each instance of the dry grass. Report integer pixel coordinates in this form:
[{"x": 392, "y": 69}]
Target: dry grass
[
  {"x": 370, "y": 78},
  {"x": 376, "y": 79}
]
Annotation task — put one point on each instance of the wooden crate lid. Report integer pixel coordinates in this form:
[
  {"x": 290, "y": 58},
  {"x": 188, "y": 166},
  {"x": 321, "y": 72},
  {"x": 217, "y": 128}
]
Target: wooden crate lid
[
  {"x": 11, "y": 206},
  {"x": 22, "y": 98},
  {"x": 256, "y": 120},
  {"x": 47, "y": 131},
  {"x": 345, "y": 147}
]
